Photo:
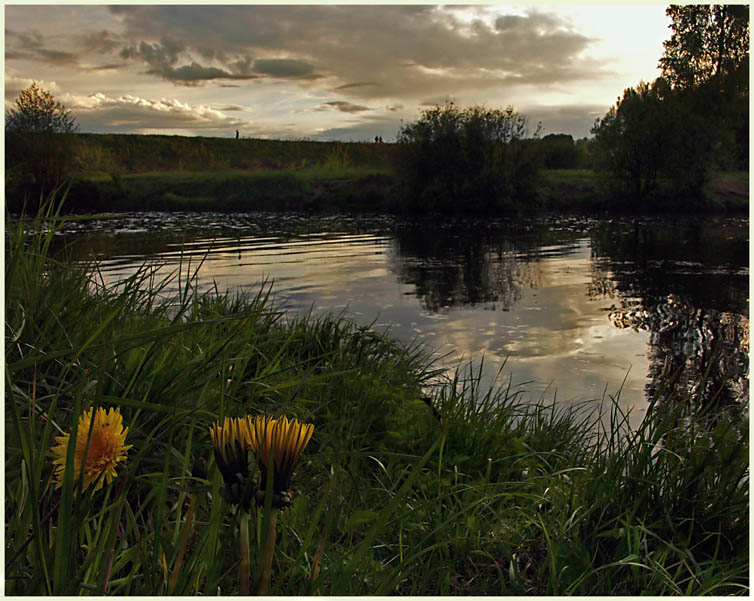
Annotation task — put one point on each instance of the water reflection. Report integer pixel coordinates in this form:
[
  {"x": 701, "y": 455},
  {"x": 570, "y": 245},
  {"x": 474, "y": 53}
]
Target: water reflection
[
  {"x": 703, "y": 353},
  {"x": 688, "y": 286},
  {"x": 571, "y": 305}
]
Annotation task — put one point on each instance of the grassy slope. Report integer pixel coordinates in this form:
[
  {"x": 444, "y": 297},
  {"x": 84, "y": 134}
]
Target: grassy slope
[{"x": 481, "y": 495}]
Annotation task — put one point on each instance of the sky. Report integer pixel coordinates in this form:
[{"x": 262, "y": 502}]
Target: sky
[{"x": 328, "y": 72}]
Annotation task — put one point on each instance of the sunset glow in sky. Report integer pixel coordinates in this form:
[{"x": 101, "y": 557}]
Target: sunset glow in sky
[{"x": 327, "y": 72}]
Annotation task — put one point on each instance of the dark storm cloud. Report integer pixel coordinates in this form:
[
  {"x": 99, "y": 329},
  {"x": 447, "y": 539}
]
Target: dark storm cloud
[{"x": 404, "y": 51}]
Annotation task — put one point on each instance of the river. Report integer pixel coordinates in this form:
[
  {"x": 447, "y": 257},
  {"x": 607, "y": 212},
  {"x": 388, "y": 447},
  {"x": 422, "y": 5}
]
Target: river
[{"x": 575, "y": 309}]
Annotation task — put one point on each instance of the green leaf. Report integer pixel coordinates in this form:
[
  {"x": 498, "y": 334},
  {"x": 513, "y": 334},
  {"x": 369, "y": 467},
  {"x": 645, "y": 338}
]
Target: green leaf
[{"x": 363, "y": 516}]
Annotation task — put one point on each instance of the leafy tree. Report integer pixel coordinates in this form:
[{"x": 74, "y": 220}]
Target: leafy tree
[
  {"x": 631, "y": 140},
  {"x": 37, "y": 111},
  {"x": 708, "y": 41},
  {"x": 656, "y": 133},
  {"x": 472, "y": 159},
  {"x": 709, "y": 53}
]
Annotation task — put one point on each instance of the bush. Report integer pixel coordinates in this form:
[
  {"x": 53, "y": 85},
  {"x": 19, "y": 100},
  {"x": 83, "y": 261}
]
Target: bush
[
  {"x": 559, "y": 152},
  {"x": 472, "y": 159}
]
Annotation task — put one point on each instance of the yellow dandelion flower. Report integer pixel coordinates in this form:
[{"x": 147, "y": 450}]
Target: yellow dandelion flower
[
  {"x": 106, "y": 448},
  {"x": 279, "y": 441},
  {"x": 231, "y": 443}
]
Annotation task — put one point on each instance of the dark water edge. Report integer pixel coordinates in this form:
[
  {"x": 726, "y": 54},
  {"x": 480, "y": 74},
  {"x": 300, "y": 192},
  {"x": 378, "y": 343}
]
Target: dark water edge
[
  {"x": 365, "y": 190},
  {"x": 556, "y": 297}
]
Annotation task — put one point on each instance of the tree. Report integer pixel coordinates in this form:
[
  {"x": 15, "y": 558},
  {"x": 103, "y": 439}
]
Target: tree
[
  {"x": 708, "y": 54},
  {"x": 472, "y": 159},
  {"x": 708, "y": 41},
  {"x": 657, "y": 133},
  {"x": 37, "y": 111},
  {"x": 630, "y": 140},
  {"x": 39, "y": 150}
]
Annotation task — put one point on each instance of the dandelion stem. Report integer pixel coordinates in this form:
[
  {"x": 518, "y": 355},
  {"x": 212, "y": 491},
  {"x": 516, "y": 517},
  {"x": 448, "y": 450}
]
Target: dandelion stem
[
  {"x": 269, "y": 549},
  {"x": 186, "y": 531},
  {"x": 113, "y": 536},
  {"x": 245, "y": 566}
]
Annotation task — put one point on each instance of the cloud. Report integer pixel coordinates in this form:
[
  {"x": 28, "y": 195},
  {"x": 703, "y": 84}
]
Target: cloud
[
  {"x": 34, "y": 46},
  {"x": 128, "y": 113},
  {"x": 231, "y": 107},
  {"x": 405, "y": 52},
  {"x": 356, "y": 84},
  {"x": 364, "y": 129},
  {"x": 15, "y": 84},
  {"x": 576, "y": 120},
  {"x": 284, "y": 68},
  {"x": 163, "y": 57},
  {"x": 102, "y": 41},
  {"x": 359, "y": 132},
  {"x": 340, "y": 66},
  {"x": 346, "y": 107}
]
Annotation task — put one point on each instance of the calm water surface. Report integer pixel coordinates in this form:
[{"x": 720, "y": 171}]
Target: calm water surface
[{"x": 575, "y": 307}]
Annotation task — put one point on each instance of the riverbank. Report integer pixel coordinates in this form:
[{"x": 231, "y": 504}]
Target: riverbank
[
  {"x": 413, "y": 483},
  {"x": 350, "y": 190},
  {"x": 173, "y": 173}
]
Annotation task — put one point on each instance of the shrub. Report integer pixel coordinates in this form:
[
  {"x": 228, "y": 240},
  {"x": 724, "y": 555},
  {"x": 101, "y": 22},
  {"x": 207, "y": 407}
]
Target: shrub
[{"x": 472, "y": 159}]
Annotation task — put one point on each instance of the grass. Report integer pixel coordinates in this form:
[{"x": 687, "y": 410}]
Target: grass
[
  {"x": 324, "y": 188},
  {"x": 145, "y": 153},
  {"x": 415, "y": 481}
]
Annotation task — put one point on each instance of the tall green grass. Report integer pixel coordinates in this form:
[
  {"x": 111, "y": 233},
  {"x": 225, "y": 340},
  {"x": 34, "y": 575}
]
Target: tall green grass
[{"x": 415, "y": 481}]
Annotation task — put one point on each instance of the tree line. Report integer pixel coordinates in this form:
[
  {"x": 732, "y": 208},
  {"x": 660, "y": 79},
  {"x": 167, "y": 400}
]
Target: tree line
[{"x": 692, "y": 120}]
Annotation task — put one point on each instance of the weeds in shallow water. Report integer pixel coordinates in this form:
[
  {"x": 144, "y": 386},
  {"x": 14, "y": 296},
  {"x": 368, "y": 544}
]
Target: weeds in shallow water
[{"x": 469, "y": 491}]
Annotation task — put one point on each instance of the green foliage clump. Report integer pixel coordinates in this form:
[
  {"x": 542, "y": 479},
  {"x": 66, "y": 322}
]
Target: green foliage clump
[{"x": 466, "y": 160}]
